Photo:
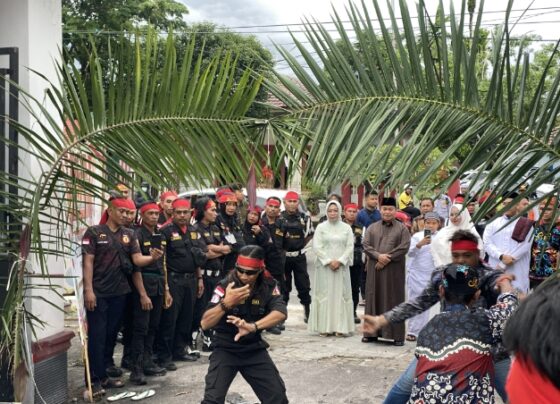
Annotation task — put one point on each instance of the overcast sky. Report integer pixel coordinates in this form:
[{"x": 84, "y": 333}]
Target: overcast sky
[{"x": 243, "y": 15}]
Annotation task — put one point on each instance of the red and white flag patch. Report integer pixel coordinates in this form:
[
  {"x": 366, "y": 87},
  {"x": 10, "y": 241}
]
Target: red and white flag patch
[
  {"x": 85, "y": 241},
  {"x": 219, "y": 291}
]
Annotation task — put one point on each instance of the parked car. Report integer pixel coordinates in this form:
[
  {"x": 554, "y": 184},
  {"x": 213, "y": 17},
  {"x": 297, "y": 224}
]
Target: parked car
[{"x": 262, "y": 195}]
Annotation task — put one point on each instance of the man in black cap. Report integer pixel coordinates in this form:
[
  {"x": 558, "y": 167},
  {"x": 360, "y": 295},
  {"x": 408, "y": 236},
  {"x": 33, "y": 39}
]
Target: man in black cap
[{"x": 386, "y": 244}]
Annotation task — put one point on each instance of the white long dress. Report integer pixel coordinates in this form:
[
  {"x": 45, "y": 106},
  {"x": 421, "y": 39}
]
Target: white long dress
[
  {"x": 419, "y": 273},
  {"x": 331, "y": 303}
]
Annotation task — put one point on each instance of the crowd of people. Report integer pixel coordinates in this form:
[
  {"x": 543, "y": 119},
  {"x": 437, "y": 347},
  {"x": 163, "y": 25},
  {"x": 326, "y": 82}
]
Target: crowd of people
[{"x": 175, "y": 277}]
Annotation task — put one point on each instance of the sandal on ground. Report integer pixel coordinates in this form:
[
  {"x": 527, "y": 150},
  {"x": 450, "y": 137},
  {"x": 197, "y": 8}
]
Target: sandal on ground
[
  {"x": 121, "y": 396},
  {"x": 365, "y": 339},
  {"x": 97, "y": 391},
  {"x": 339, "y": 334},
  {"x": 143, "y": 395},
  {"x": 325, "y": 334},
  {"x": 410, "y": 338},
  {"x": 112, "y": 384}
]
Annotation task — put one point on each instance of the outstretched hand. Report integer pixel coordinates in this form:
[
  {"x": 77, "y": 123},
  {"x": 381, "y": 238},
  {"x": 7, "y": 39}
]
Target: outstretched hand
[
  {"x": 372, "y": 324},
  {"x": 243, "y": 327}
]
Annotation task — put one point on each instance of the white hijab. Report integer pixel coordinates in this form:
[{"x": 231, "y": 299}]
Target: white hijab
[
  {"x": 339, "y": 218},
  {"x": 441, "y": 246}
]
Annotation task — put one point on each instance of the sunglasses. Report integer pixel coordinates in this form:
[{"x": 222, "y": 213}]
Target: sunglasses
[{"x": 248, "y": 272}]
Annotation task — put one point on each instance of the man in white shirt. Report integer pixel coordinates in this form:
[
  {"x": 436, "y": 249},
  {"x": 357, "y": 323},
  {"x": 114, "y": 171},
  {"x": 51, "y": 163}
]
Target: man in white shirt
[{"x": 506, "y": 253}]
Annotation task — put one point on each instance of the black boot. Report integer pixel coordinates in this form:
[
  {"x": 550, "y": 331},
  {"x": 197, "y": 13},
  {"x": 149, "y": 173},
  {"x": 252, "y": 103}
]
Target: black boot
[
  {"x": 149, "y": 366},
  {"x": 192, "y": 349},
  {"x": 306, "y": 313},
  {"x": 282, "y": 326},
  {"x": 137, "y": 374}
]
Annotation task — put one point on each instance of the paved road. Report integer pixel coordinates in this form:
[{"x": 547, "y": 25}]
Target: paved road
[{"x": 314, "y": 369}]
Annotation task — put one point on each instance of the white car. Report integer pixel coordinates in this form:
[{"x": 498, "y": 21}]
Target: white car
[{"x": 262, "y": 195}]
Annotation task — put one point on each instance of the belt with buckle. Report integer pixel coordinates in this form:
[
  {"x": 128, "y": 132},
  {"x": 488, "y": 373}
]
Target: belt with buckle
[
  {"x": 294, "y": 253},
  {"x": 183, "y": 274}
]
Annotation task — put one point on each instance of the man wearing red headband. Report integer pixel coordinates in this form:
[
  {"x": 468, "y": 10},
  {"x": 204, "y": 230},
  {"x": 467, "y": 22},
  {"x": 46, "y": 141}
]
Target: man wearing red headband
[
  {"x": 109, "y": 252},
  {"x": 246, "y": 302},
  {"x": 147, "y": 299},
  {"x": 184, "y": 256},
  {"x": 298, "y": 231},
  {"x": 357, "y": 268},
  {"x": 275, "y": 258},
  {"x": 166, "y": 206},
  {"x": 465, "y": 251}
]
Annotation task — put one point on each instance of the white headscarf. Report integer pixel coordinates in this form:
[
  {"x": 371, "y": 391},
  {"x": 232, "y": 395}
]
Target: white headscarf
[
  {"x": 441, "y": 246},
  {"x": 339, "y": 218}
]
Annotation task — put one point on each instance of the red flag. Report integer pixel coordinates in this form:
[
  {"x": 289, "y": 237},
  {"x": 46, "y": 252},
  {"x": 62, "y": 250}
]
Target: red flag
[{"x": 252, "y": 186}]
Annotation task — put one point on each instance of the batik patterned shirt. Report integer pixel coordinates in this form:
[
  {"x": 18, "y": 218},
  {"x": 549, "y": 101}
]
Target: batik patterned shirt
[{"x": 454, "y": 353}]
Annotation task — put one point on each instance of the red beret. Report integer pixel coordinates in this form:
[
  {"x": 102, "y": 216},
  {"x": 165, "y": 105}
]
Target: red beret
[
  {"x": 291, "y": 196},
  {"x": 351, "y": 206},
  {"x": 181, "y": 203},
  {"x": 149, "y": 206}
]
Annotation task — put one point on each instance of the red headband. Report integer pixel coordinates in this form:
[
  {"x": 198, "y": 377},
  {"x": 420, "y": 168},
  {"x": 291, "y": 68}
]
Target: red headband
[
  {"x": 181, "y": 203},
  {"x": 464, "y": 245},
  {"x": 350, "y": 206},
  {"x": 122, "y": 203},
  {"x": 221, "y": 191},
  {"x": 227, "y": 197},
  {"x": 167, "y": 194},
  {"x": 255, "y": 208},
  {"x": 250, "y": 262},
  {"x": 273, "y": 202},
  {"x": 209, "y": 205},
  {"x": 149, "y": 206},
  {"x": 292, "y": 196}
]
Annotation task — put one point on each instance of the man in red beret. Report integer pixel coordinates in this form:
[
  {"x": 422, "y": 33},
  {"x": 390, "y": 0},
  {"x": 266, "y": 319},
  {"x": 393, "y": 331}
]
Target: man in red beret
[
  {"x": 298, "y": 231},
  {"x": 184, "y": 257},
  {"x": 357, "y": 268},
  {"x": 109, "y": 252}
]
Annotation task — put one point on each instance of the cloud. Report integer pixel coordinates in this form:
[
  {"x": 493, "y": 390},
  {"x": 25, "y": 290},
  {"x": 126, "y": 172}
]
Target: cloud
[{"x": 231, "y": 13}]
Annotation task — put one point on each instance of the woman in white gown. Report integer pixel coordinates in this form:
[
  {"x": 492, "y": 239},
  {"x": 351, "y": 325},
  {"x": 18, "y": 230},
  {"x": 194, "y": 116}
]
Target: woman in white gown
[
  {"x": 459, "y": 219},
  {"x": 331, "y": 307}
]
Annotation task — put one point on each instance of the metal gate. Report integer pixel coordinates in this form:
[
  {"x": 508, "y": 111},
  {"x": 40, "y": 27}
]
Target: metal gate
[{"x": 9, "y": 62}]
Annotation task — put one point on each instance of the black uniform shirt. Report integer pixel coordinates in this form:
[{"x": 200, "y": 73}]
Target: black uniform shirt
[
  {"x": 210, "y": 234},
  {"x": 264, "y": 299},
  {"x": 357, "y": 231},
  {"x": 152, "y": 274},
  {"x": 232, "y": 234},
  {"x": 178, "y": 248},
  {"x": 108, "y": 278},
  {"x": 297, "y": 227}
]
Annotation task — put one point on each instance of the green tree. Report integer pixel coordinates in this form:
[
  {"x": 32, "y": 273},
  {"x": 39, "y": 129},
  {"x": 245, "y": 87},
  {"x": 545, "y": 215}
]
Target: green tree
[{"x": 84, "y": 19}]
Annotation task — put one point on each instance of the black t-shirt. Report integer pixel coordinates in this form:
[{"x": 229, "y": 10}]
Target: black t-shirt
[
  {"x": 297, "y": 227},
  {"x": 232, "y": 234},
  {"x": 266, "y": 297},
  {"x": 108, "y": 278},
  {"x": 179, "y": 247},
  {"x": 152, "y": 274}
]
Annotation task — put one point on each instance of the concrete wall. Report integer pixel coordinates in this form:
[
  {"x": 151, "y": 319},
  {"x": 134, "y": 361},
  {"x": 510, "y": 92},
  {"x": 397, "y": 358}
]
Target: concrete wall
[{"x": 35, "y": 27}]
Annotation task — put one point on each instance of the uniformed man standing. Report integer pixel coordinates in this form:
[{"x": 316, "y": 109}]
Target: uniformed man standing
[
  {"x": 166, "y": 206},
  {"x": 109, "y": 252},
  {"x": 215, "y": 249},
  {"x": 184, "y": 257},
  {"x": 244, "y": 303},
  {"x": 147, "y": 299},
  {"x": 298, "y": 230},
  {"x": 357, "y": 268}
]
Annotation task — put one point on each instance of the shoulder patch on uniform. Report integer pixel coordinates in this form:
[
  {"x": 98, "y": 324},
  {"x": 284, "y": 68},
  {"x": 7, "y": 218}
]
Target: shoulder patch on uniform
[
  {"x": 219, "y": 291},
  {"x": 125, "y": 239},
  {"x": 146, "y": 243},
  {"x": 85, "y": 241},
  {"x": 194, "y": 235}
]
